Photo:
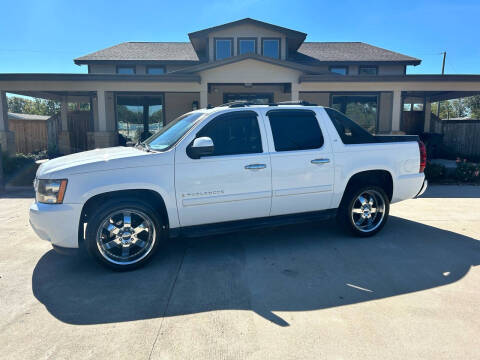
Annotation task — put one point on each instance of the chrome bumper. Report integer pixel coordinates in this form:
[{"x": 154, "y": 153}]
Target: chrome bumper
[{"x": 422, "y": 189}]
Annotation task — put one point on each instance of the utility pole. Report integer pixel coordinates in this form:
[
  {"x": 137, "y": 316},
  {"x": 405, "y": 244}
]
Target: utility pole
[{"x": 443, "y": 73}]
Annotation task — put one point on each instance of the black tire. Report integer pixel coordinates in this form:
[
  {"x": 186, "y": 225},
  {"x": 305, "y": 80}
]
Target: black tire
[
  {"x": 112, "y": 255},
  {"x": 347, "y": 218}
]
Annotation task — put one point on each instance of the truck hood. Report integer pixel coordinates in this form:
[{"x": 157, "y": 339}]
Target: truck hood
[{"x": 90, "y": 161}]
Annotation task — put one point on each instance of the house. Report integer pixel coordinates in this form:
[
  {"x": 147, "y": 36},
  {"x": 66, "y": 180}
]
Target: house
[{"x": 135, "y": 88}]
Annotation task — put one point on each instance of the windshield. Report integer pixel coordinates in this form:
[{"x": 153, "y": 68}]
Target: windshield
[{"x": 171, "y": 133}]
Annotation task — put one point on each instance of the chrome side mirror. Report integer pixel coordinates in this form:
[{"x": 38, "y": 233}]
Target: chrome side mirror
[{"x": 202, "y": 146}]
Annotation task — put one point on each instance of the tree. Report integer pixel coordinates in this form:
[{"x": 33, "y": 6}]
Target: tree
[
  {"x": 473, "y": 103},
  {"x": 36, "y": 106}
]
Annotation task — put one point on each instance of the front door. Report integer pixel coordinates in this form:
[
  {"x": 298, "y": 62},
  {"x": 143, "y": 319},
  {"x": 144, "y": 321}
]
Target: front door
[
  {"x": 302, "y": 162},
  {"x": 231, "y": 184}
]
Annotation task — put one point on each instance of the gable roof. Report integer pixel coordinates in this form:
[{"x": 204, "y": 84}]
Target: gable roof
[
  {"x": 312, "y": 53},
  {"x": 289, "y": 32},
  {"x": 142, "y": 51}
]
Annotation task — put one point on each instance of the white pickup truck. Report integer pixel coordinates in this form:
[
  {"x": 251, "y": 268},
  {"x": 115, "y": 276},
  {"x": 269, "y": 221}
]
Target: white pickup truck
[{"x": 221, "y": 169}]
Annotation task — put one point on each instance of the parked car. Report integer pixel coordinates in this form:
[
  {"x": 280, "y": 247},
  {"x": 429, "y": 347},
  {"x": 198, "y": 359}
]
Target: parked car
[{"x": 221, "y": 169}]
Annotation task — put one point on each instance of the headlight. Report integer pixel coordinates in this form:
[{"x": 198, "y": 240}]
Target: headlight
[{"x": 50, "y": 191}]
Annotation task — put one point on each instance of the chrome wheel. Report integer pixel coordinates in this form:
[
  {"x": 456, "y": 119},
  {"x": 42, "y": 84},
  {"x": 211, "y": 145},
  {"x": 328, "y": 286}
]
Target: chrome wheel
[
  {"x": 368, "y": 211},
  {"x": 126, "y": 236}
]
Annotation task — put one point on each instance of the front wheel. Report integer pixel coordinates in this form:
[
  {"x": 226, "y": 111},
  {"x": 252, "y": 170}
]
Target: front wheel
[
  {"x": 365, "y": 210},
  {"x": 123, "y": 234}
]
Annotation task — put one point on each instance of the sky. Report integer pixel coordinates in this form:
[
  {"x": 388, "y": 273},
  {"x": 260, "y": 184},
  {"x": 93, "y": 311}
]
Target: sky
[{"x": 44, "y": 36}]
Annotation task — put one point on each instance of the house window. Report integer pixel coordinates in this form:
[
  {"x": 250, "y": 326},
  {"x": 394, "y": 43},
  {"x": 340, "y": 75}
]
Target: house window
[
  {"x": 247, "y": 46},
  {"x": 223, "y": 48},
  {"x": 367, "y": 70},
  {"x": 155, "y": 70},
  {"x": 361, "y": 108},
  {"x": 342, "y": 70},
  {"x": 129, "y": 70},
  {"x": 418, "y": 107},
  {"x": 271, "y": 48},
  {"x": 139, "y": 116}
]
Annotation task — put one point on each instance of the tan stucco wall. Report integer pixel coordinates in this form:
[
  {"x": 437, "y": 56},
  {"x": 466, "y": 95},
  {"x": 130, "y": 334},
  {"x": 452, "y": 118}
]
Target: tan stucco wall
[
  {"x": 391, "y": 70},
  {"x": 250, "y": 71},
  {"x": 246, "y": 31},
  {"x": 102, "y": 69},
  {"x": 177, "y": 104}
]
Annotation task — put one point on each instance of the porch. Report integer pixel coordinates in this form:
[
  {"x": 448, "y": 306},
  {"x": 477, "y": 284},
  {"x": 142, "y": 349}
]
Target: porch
[{"x": 127, "y": 108}]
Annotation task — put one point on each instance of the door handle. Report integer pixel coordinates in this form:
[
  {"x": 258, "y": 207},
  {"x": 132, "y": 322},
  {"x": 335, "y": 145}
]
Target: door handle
[
  {"x": 255, "y": 166},
  {"x": 320, "y": 161}
]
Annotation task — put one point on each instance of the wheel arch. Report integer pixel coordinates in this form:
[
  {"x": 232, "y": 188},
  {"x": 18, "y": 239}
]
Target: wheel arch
[
  {"x": 379, "y": 177},
  {"x": 152, "y": 197}
]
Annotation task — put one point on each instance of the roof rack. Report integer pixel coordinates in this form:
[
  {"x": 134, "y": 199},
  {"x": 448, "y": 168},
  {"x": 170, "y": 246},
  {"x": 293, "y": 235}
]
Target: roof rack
[{"x": 240, "y": 103}]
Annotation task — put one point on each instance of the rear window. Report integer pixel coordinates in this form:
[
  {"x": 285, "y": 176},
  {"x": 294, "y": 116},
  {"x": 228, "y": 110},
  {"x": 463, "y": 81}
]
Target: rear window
[
  {"x": 349, "y": 131},
  {"x": 295, "y": 130}
]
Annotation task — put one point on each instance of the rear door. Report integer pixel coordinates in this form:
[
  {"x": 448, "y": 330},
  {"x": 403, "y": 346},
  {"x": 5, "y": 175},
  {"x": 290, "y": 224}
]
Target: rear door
[
  {"x": 302, "y": 161},
  {"x": 231, "y": 184}
]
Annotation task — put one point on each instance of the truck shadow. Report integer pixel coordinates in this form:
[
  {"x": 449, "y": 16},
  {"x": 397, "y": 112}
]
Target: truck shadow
[{"x": 295, "y": 268}]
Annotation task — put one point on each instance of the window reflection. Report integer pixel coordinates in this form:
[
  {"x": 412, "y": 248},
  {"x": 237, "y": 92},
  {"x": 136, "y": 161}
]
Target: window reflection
[
  {"x": 138, "y": 116},
  {"x": 360, "y": 108}
]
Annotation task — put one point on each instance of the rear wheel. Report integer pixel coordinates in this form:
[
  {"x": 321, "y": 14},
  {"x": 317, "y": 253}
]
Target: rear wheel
[
  {"x": 365, "y": 210},
  {"x": 123, "y": 234}
]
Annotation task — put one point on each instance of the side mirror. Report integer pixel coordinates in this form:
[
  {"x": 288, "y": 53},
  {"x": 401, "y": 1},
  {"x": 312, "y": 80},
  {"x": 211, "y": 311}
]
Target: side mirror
[{"x": 202, "y": 146}]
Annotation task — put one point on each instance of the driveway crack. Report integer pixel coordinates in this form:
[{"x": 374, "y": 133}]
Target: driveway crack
[{"x": 168, "y": 302}]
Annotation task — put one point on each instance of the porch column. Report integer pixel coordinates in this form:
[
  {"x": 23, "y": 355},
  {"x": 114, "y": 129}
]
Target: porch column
[
  {"x": 204, "y": 95},
  {"x": 7, "y": 137},
  {"x": 396, "y": 110},
  {"x": 102, "y": 110},
  {"x": 103, "y": 134},
  {"x": 428, "y": 115},
  {"x": 295, "y": 91},
  {"x": 64, "y": 135}
]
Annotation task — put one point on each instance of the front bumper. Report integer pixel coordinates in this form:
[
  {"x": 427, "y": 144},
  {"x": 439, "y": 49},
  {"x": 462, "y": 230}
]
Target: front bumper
[{"x": 56, "y": 223}]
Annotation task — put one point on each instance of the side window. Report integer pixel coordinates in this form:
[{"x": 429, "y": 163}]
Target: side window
[
  {"x": 234, "y": 133},
  {"x": 349, "y": 131},
  {"x": 295, "y": 130}
]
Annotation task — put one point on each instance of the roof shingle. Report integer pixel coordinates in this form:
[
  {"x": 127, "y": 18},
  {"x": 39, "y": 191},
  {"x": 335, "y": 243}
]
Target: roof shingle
[
  {"x": 311, "y": 52},
  {"x": 135, "y": 51}
]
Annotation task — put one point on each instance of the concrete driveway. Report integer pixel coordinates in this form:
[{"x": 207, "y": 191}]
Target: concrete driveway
[{"x": 305, "y": 292}]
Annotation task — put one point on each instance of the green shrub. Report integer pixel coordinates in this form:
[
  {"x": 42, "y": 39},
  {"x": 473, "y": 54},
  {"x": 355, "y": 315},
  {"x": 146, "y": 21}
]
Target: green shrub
[
  {"x": 13, "y": 164},
  {"x": 434, "y": 172},
  {"x": 467, "y": 171}
]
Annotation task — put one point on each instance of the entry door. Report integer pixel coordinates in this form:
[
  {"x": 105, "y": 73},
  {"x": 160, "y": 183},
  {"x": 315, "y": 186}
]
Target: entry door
[
  {"x": 231, "y": 184},
  {"x": 302, "y": 162}
]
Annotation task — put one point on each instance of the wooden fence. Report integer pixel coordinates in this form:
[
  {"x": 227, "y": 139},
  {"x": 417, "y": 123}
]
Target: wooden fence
[
  {"x": 462, "y": 136},
  {"x": 33, "y": 135}
]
